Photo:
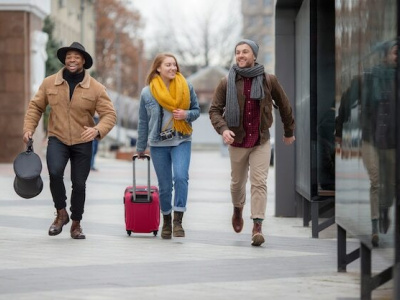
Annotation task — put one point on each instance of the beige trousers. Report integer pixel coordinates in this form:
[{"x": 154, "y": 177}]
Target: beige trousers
[
  {"x": 371, "y": 162},
  {"x": 253, "y": 161}
]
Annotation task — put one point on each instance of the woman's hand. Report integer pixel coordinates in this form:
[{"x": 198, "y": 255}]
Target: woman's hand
[{"x": 179, "y": 114}]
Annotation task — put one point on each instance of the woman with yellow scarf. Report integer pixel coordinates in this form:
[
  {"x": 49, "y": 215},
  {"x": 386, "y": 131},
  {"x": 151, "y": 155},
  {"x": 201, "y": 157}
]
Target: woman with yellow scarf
[{"x": 168, "y": 106}]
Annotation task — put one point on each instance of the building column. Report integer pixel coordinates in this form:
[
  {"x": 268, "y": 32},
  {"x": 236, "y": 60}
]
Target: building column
[{"x": 18, "y": 22}]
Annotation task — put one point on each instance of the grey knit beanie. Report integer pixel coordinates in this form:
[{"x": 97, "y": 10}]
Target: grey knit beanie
[{"x": 253, "y": 45}]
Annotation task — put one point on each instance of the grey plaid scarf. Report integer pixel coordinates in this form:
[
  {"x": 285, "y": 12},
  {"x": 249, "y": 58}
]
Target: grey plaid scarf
[{"x": 257, "y": 91}]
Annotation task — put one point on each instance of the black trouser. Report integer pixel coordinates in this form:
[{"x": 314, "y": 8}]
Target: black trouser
[{"x": 80, "y": 156}]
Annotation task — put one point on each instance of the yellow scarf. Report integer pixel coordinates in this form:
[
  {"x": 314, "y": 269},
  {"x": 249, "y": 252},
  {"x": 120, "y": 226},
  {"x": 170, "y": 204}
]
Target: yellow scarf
[{"x": 178, "y": 96}]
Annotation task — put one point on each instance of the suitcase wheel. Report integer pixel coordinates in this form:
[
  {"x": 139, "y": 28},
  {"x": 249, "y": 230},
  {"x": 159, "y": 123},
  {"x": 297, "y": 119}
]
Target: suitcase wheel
[
  {"x": 129, "y": 232},
  {"x": 155, "y": 232}
]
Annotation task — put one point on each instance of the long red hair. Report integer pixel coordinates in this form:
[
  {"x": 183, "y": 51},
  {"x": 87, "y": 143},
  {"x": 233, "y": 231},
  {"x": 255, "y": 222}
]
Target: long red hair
[{"x": 157, "y": 63}]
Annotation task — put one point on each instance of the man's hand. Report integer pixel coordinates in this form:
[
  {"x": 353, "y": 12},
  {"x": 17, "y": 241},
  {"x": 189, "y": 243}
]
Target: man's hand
[
  {"x": 27, "y": 136},
  {"x": 89, "y": 134},
  {"x": 338, "y": 141},
  {"x": 289, "y": 140},
  {"x": 228, "y": 136}
]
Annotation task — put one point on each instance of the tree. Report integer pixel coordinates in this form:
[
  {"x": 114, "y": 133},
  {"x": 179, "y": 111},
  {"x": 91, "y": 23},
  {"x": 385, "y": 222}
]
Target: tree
[
  {"x": 118, "y": 48},
  {"x": 198, "y": 39},
  {"x": 52, "y": 63}
]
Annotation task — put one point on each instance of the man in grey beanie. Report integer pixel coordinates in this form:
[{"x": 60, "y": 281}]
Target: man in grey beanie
[
  {"x": 241, "y": 111},
  {"x": 253, "y": 45}
]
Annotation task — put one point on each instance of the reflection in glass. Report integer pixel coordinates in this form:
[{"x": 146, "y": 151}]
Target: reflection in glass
[
  {"x": 379, "y": 98},
  {"x": 366, "y": 62},
  {"x": 373, "y": 118}
]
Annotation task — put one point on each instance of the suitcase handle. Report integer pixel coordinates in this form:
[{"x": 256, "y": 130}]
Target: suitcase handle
[{"x": 134, "y": 157}]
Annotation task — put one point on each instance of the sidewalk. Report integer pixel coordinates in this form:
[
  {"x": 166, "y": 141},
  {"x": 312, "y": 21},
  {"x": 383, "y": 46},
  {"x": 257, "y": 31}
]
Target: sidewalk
[{"x": 211, "y": 262}]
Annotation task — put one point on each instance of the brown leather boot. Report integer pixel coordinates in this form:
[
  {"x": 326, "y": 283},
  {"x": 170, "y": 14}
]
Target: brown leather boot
[
  {"x": 166, "y": 231},
  {"x": 61, "y": 219},
  {"x": 76, "y": 231},
  {"x": 258, "y": 237},
  {"x": 178, "y": 229},
  {"x": 237, "y": 219}
]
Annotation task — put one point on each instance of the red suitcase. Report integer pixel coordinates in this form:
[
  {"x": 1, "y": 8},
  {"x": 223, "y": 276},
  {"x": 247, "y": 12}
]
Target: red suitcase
[{"x": 142, "y": 205}]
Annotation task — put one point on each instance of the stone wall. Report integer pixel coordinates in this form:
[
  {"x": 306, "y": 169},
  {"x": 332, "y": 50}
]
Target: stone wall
[{"x": 16, "y": 28}]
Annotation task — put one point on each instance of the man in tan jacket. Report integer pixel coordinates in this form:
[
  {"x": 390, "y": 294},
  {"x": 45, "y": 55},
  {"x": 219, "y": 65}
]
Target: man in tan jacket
[
  {"x": 241, "y": 111},
  {"x": 74, "y": 97}
]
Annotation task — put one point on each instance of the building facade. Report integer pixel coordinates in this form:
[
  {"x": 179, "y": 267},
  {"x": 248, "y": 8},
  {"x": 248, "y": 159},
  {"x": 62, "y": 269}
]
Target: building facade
[
  {"x": 21, "y": 50},
  {"x": 259, "y": 26},
  {"x": 74, "y": 21}
]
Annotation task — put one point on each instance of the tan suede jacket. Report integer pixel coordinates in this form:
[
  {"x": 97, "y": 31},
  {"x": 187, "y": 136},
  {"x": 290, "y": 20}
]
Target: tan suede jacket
[
  {"x": 68, "y": 117},
  {"x": 276, "y": 93}
]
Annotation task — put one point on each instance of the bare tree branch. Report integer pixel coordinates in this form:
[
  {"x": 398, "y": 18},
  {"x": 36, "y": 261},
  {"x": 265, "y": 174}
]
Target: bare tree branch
[{"x": 199, "y": 40}]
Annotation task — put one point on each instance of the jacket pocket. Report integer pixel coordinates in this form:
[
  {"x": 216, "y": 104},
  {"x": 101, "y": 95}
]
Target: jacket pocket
[
  {"x": 88, "y": 101},
  {"x": 52, "y": 96}
]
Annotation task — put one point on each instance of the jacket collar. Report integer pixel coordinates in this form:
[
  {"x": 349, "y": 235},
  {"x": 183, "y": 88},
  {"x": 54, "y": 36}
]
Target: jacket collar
[{"x": 85, "y": 82}]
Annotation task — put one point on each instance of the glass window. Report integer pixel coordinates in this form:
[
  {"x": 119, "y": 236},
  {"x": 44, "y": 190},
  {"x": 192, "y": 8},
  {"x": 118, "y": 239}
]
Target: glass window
[
  {"x": 366, "y": 121},
  {"x": 252, "y": 21},
  {"x": 253, "y": 38},
  {"x": 267, "y": 21},
  {"x": 268, "y": 41},
  {"x": 267, "y": 3},
  {"x": 268, "y": 58},
  {"x": 253, "y": 2}
]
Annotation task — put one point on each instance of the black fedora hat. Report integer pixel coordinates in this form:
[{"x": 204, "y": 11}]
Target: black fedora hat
[{"x": 62, "y": 53}]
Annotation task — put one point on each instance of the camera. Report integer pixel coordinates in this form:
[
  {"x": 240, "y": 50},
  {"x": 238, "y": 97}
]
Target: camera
[{"x": 167, "y": 134}]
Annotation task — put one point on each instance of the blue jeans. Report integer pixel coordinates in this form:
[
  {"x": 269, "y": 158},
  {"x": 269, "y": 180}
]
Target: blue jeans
[
  {"x": 172, "y": 168},
  {"x": 95, "y": 145},
  {"x": 57, "y": 157}
]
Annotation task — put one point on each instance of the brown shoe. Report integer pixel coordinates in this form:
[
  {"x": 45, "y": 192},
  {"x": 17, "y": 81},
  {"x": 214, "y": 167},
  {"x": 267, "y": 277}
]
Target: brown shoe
[
  {"x": 258, "y": 237},
  {"x": 375, "y": 240},
  {"x": 178, "y": 230},
  {"x": 61, "y": 219},
  {"x": 76, "y": 231},
  {"x": 166, "y": 231},
  {"x": 237, "y": 219}
]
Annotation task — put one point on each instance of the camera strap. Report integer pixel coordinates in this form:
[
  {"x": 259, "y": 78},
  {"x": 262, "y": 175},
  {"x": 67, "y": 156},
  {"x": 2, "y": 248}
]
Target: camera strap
[{"x": 167, "y": 125}]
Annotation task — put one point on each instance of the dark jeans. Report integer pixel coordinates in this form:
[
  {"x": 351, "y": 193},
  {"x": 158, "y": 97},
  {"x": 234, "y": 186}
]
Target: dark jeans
[{"x": 79, "y": 156}]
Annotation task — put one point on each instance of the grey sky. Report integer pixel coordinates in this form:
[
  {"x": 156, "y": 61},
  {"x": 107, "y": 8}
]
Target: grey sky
[{"x": 182, "y": 12}]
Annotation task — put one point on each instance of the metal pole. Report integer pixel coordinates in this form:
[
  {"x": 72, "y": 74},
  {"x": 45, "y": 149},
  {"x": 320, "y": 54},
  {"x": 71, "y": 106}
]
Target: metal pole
[{"x": 396, "y": 266}]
